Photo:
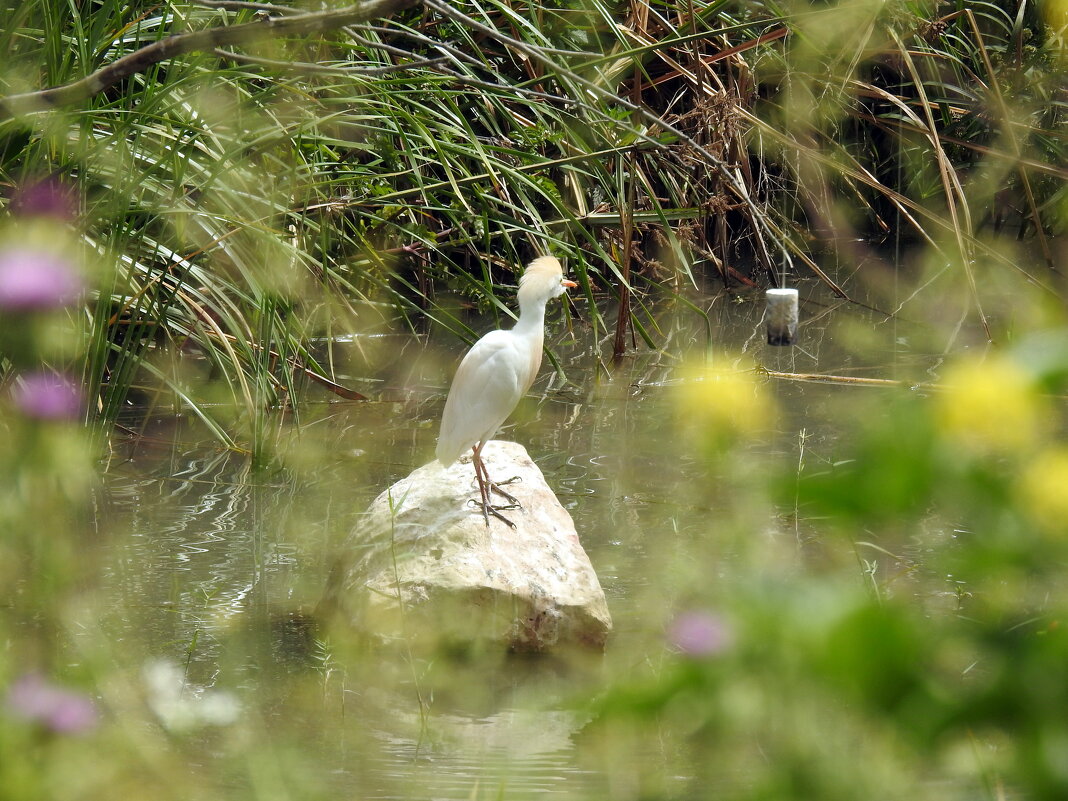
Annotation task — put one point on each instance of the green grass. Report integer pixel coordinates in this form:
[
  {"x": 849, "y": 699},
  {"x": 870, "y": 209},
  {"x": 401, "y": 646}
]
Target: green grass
[
  {"x": 240, "y": 203},
  {"x": 250, "y": 219}
]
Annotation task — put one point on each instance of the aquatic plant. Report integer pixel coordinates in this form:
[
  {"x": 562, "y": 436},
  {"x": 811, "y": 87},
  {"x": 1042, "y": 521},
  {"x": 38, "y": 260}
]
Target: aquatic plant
[{"x": 246, "y": 196}]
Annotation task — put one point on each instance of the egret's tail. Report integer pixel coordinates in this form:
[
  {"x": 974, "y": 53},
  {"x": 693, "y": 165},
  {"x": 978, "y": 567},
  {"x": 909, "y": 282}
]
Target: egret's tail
[{"x": 446, "y": 455}]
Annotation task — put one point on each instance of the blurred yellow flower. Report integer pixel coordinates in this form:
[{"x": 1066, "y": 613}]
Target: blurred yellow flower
[
  {"x": 723, "y": 405},
  {"x": 1041, "y": 490},
  {"x": 990, "y": 406},
  {"x": 1055, "y": 13}
]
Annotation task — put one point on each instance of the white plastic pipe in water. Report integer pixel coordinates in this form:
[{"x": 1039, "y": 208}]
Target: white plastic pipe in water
[{"x": 781, "y": 315}]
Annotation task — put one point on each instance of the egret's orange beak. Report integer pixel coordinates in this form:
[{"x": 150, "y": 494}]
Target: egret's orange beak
[{"x": 569, "y": 284}]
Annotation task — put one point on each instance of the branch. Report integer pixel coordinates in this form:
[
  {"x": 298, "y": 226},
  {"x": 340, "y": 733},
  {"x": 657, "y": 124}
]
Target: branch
[{"x": 196, "y": 41}]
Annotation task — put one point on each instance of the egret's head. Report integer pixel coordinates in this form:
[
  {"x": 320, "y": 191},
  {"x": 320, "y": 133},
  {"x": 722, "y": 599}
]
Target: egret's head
[{"x": 542, "y": 281}]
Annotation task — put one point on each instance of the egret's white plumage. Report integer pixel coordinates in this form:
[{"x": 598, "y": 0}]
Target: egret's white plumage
[{"x": 497, "y": 372}]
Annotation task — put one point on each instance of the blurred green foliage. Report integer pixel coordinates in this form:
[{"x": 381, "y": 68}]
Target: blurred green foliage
[
  {"x": 239, "y": 209},
  {"x": 883, "y": 622},
  {"x": 941, "y": 675}
]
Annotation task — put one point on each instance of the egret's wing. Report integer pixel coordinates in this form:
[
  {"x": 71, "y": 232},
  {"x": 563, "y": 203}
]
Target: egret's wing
[{"x": 487, "y": 387}]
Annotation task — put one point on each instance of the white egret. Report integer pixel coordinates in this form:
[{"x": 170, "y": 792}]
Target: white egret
[{"x": 494, "y": 375}]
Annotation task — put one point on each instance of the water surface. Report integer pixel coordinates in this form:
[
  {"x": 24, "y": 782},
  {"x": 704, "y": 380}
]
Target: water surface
[{"x": 208, "y": 561}]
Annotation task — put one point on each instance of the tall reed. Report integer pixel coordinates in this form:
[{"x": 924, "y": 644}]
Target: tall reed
[{"x": 242, "y": 202}]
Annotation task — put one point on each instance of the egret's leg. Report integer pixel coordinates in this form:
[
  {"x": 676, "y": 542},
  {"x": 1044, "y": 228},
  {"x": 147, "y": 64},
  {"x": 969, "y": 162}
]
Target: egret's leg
[
  {"x": 495, "y": 486},
  {"x": 483, "y": 492},
  {"x": 485, "y": 485}
]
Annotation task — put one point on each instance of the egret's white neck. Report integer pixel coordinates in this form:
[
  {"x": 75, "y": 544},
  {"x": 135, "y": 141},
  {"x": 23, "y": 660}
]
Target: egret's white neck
[{"x": 531, "y": 317}]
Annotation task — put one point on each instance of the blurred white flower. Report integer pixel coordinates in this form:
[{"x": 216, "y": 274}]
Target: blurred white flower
[{"x": 181, "y": 706}]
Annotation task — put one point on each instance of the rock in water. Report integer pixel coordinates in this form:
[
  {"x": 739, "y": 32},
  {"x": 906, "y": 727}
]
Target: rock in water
[{"x": 426, "y": 565}]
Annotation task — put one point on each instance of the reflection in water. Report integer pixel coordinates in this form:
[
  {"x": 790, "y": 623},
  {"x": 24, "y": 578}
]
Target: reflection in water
[{"x": 205, "y": 555}]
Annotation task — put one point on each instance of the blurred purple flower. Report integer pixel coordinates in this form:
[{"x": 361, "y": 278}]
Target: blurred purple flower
[
  {"x": 45, "y": 395},
  {"x": 33, "y": 280},
  {"x": 57, "y": 708},
  {"x": 699, "y": 633},
  {"x": 45, "y": 197}
]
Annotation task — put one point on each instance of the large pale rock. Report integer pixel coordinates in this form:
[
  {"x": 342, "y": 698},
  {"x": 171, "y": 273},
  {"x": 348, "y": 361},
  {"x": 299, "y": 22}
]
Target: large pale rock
[{"x": 428, "y": 568}]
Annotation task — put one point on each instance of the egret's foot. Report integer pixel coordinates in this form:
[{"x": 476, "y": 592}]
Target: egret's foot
[
  {"x": 496, "y": 487},
  {"x": 489, "y": 509}
]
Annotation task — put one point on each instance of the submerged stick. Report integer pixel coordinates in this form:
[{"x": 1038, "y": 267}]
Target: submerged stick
[{"x": 821, "y": 378}]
